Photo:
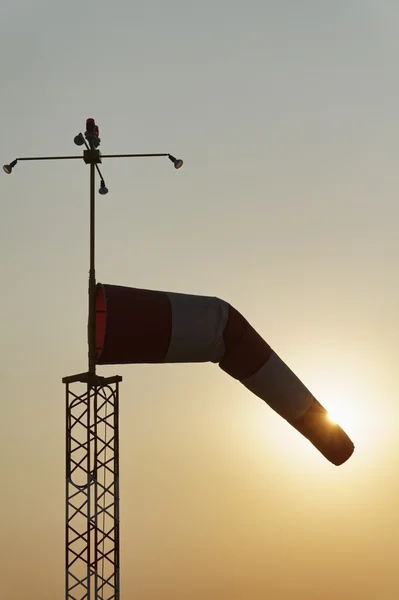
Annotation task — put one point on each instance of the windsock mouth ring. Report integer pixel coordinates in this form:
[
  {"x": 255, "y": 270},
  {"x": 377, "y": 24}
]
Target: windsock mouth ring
[{"x": 101, "y": 320}]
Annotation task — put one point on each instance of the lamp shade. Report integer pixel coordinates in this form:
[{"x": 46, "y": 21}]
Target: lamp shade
[
  {"x": 145, "y": 326},
  {"x": 8, "y": 168}
]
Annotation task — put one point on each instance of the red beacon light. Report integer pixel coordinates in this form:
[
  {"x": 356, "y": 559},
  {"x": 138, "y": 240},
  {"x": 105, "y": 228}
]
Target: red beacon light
[
  {"x": 92, "y": 133},
  {"x": 90, "y": 125}
]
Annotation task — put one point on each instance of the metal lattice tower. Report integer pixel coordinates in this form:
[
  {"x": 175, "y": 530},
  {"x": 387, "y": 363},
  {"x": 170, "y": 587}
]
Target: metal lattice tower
[{"x": 92, "y": 488}]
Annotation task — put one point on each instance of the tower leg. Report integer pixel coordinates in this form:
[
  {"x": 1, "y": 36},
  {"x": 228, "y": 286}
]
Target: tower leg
[{"x": 92, "y": 487}]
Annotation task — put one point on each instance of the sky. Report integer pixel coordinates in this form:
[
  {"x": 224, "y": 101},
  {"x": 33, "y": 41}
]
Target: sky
[{"x": 285, "y": 114}]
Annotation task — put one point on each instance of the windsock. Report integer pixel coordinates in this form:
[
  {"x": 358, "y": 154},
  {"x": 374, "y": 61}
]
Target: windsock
[{"x": 145, "y": 326}]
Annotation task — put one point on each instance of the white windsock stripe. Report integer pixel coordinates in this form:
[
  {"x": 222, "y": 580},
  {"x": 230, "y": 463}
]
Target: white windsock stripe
[
  {"x": 198, "y": 323},
  {"x": 280, "y": 388}
]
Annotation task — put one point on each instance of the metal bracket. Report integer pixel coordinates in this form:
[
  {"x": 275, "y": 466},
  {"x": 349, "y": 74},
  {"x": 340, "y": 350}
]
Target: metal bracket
[{"x": 92, "y": 157}]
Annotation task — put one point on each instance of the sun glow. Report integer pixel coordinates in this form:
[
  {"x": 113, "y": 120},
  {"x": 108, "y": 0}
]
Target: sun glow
[
  {"x": 346, "y": 401},
  {"x": 342, "y": 416},
  {"x": 346, "y": 392}
]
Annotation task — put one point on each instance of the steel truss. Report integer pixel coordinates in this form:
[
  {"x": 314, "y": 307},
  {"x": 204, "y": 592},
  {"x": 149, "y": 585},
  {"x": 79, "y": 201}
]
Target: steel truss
[{"x": 92, "y": 487}]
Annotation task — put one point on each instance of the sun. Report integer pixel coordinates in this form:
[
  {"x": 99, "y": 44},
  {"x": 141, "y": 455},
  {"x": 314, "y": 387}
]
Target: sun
[
  {"x": 342, "y": 416},
  {"x": 345, "y": 401}
]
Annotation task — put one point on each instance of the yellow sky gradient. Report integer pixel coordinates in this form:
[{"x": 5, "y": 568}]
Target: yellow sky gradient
[{"x": 287, "y": 207}]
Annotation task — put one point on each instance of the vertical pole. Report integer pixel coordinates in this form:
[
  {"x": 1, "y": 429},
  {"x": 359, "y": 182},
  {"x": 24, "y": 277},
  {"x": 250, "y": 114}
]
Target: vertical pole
[
  {"x": 91, "y": 387},
  {"x": 92, "y": 278}
]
